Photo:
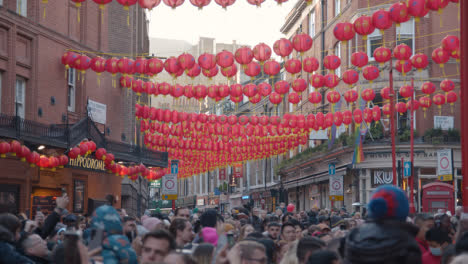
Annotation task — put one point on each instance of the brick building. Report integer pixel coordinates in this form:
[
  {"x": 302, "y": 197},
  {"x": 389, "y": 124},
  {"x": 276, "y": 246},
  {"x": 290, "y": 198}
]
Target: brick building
[
  {"x": 51, "y": 103},
  {"x": 306, "y": 178}
]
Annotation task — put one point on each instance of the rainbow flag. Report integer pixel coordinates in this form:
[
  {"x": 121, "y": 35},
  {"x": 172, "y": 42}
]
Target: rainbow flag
[{"x": 358, "y": 155}]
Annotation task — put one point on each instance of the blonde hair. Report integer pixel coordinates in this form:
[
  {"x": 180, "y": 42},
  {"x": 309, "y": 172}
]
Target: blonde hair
[{"x": 242, "y": 232}]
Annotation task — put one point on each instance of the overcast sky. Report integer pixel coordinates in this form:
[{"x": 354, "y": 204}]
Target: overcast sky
[{"x": 242, "y": 22}]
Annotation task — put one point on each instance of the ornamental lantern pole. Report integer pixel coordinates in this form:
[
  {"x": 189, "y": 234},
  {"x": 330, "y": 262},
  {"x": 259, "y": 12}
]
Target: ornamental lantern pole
[
  {"x": 463, "y": 94},
  {"x": 392, "y": 123}
]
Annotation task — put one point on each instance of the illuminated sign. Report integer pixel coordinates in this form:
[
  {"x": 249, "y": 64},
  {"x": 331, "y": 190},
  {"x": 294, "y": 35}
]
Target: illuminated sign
[{"x": 87, "y": 163}]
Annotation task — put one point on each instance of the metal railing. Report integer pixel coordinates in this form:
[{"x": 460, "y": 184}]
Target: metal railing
[{"x": 68, "y": 135}]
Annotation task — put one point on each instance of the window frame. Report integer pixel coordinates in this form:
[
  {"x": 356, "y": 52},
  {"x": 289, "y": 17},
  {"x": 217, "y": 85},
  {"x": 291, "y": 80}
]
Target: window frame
[
  {"x": 22, "y": 7},
  {"x": 337, "y": 7},
  {"x": 71, "y": 84},
  {"x": 376, "y": 35},
  {"x": 399, "y": 35},
  {"x": 22, "y": 112},
  {"x": 312, "y": 23},
  {"x": 337, "y": 51}
]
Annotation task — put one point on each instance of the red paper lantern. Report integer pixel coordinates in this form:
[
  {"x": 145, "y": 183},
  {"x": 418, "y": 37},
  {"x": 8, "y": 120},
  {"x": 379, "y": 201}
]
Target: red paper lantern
[
  {"x": 223, "y": 90},
  {"x": 451, "y": 44},
  {"x": 213, "y": 91},
  {"x": 451, "y": 97},
  {"x": 264, "y": 89},
  {"x": 4, "y": 148},
  {"x": 82, "y": 63},
  {"x": 357, "y": 115},
  {"x": 63, "y": 160},
  {"x": 331, "y": 62},
  {"x": 262, "y": 52},
  {"x": 317, "y": 80},
  {"x": 149, "y": 4},
  {"x": 368, "y": 95},
  {"x": 207, "y": 61},
  {"x": 282, "y": 87},
  {"x": 255, "y": 99},
  {"x": 351, "y": 96},
  {"x": 382, "y": 55},
  {"x": 399, "y": 13},
  {"x": 200, "y": 92},
  {"x": 69, "y": 58},
  {"x": 24, "y": 153},
  {"x": 428, "y": 88},
  {"x": 447, "y": 85},
  {"x": 236, "y": 90},
  {"x": 210, "y": 73},
  {"x": 328, "y": 121},
  {"x": 319, "y": 119},
  {"x": 173, "y": 3},
  {"x": 386, "y": 110},
  {"x": 367, "y": 115},
  {"x": 440, "y": 56},
  {"x": 359, "y": 59},
  {"x": 140, "y": 65},
  {"x": 98, "y": 65},
  {"x": 331, "y": 80},
  {"x": 74, "y": 153},
  {"x": 177, "y": 91},
  {"x": 186, "y": 61},
  {"x": 363, "y": 26},
  {"x": 244, "y": 55},
  {"x": 137, "y": 86},
  {"x": 403, "y": 66},
  {"x": 126, "y": 81},
  {"x": 437, "y": 5},
  {"x": 154, "y": 66},
  {"x": 101, "y": 154},
  {"x": 252, "y": 70},
  {"x": 225, "y": 59},
  {"x": 456, "y": 55},
  {"x": 406, "y": 91},
  {"x": 229, "y": 72},
  {"x": 347, "y": 118},
  {"x": 255, "y": 2},
  {"x": 385, "y": 93},
  {"x": 417, "y": 9},
  {"x": 43, "y": 162},
  {"x": 294, "y": 98},
  {"x": 425, "y": 103},
  {"x": 164, "y": 88},
  {"x": 275, "y": 98},
  {"x": 315, "y": 97},
  {"x": 338, "y": 118},
  {"x": 344, "y": 31},
  {"x": 283, "y": 47},
  {"x": 333, "y": 97},
  {"x": 370, "y": 73},
  {"x": 302, "y": 42},
  {"x": 350, "y": 77},
  {"x": 293, "y": 66},
  {"x": 299, "y": 85},
  {"x": 126, "y": 66},
  {"x": 310, "y": 64},
  {"x": 376, "y": 114},
  {"x": 225, "y": 3},
  {"x": 250, "y": 90},
  {"x": 381, "y": 20},
  {"x": 271, "y": 68},
  {"x": 419, "y": 61},
  {"x": 412, "y": 103},
  {"x": 172, "y": 66},
  {"x": 200, "y": 3},
  {"x": 15, "y": 147},
  {"x": 401, "y": 108},
  {"x": 402, "y": 52},
  {"x": 194, "y": 71}
]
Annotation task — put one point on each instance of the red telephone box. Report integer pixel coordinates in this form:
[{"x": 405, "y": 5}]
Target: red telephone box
[{"x": 436, "y": 196}]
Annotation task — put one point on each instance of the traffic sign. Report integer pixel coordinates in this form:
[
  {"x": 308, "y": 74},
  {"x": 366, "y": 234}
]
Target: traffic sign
[
  {"x": 336, "y": 188},
  {"x": 169, "y": 187},
  {"x": 444, "y": 165},
  {"x": 407, "y": 169},
  {"x": 331, "y": 169},
  {"x": 174, "y": 166}
]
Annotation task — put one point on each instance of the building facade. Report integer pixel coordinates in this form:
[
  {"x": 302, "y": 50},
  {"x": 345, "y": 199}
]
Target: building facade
[{"x": 42, "y": 104}]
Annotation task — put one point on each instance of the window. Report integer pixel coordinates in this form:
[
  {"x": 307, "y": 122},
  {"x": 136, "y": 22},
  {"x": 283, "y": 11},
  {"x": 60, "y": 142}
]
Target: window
[
  {"x": 71, "y": 89},
  {"x": 349, "y": 51},
  {"x": 22, "y": 7},
  {"x": 374, "y": 41},
  {"x": 311, "y": 88},
  {"x": 291, "y": 108},
  {"x": 337, "y": 7},
  {"x": 312, "y": 23},
  {"x": 19, "y": 96},
  {"x": 338, "y": 53},
  {"x": 405, "y": 34}
]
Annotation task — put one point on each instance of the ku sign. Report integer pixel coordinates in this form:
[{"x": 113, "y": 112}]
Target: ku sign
[{"x": 381, "y": 178}]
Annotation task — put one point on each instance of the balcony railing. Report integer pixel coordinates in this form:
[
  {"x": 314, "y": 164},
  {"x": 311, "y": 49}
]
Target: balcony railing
[{"x": 68, "y": 135}]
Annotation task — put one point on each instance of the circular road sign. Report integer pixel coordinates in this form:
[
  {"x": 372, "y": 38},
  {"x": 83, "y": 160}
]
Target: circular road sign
[
  {"x": 169, "y": 184},
  {"x": 444, "y": 163},
  {"x": 336, "y": 185}
]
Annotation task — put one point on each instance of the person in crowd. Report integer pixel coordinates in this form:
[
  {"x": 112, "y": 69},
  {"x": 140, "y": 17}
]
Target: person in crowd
[
  {"x": 9, "y": 234},
  {"x": 245, "y": 231},
  {"x": 273, "y": 230},
  {"x": 424, "y": 222},
  {"x": 448, "y": 255},
  {"x": 437, "y": 240},
  {"x": 297, "y": 228},
  {"x": 179, "y": 258},
  {"x": 246, "y": 252},
  {"x": 204, "y": 253},
  {"x": 290, "y": 257},
  {"x": 323, "y": 257},
  {"x": 286, "y": 217},
  {"x": 288, "y": 232},
  {"x": 152, "y": 223},
  {"x": 182, "y": 212},
  {"x": 281, "y": 248},
  {"x": 34, "y": 247},
  {"x": 461, "y": 245},
  {"x": 122, "y": 213},
  {"x": 443, "y": 222},
  {"x": 156, "y": 246},
  {"x": 386, "y": 238},
  {"x": 181, "y": 230},
  {"x": 306, "y": 247},
  {"x": 255, "y": 220},
  {"x": 129, "y": 228},
  {"x": 278, "y": 212},
  {"x": 456, "y": 217}
]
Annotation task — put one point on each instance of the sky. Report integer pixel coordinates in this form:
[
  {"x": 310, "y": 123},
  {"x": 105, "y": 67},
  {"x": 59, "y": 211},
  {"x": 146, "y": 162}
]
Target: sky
[{"x": 243, "y": 22}]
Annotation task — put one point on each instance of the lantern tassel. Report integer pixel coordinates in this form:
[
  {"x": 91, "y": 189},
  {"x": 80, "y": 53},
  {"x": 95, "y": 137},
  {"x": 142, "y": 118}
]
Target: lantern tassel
[
  {"x": 440, "y": 16},
  {"x": 44, "y": 14},
  {"x": 78, "y": 15}
]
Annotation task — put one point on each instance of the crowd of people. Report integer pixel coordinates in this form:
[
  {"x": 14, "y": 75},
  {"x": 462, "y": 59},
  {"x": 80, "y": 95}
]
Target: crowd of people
[{"x": 385, "y": 233}]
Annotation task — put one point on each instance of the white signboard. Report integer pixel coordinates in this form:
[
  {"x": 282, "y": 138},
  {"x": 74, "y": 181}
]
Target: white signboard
[
  {"x": 336, "y": 185},
  {"x": 97, "y": 111},
  {"x": 444, "y": 164},
  {"x": 169, "y": 184},
  {"x": 321, "y": 134},
  {"x": 443, "y": 122},
  {"x": 381, "y": 177}
]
